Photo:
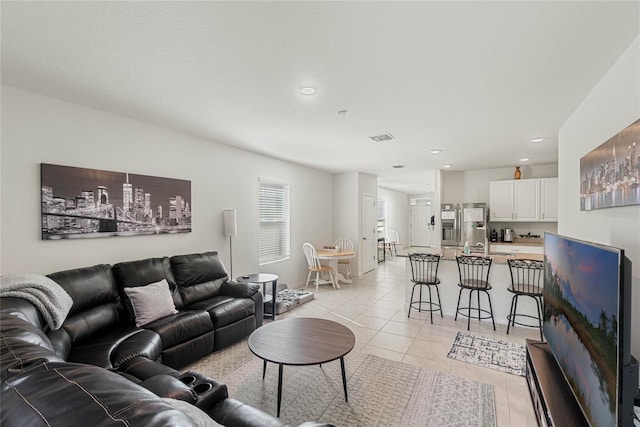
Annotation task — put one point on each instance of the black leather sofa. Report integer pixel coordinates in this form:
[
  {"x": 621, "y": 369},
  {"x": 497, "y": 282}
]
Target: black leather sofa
[{"x": 99, "y": 368}]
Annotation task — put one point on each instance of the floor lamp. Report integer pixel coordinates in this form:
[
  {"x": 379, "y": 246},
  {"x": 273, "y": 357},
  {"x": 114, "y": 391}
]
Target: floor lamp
[{"x": 230, "y": 229}]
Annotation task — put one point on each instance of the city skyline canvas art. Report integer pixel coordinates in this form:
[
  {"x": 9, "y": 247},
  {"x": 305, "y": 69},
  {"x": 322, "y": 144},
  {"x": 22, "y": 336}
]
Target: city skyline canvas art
[
  {"x": 610, "y": 174},
  {"x": 86, "y": 203}
]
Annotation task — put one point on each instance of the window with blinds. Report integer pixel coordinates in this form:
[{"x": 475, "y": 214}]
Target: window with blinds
[{"x": 273, "y": 233}]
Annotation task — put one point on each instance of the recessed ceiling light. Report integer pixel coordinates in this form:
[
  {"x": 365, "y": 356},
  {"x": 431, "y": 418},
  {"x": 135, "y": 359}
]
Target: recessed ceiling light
[
  {"x": 435, "y": 151},
  {"x": 524, "y": 159},
  {"x": 537, "y": 140},
  {"x": 447, "y": 166},
  {"x": 307, "y": 90}
]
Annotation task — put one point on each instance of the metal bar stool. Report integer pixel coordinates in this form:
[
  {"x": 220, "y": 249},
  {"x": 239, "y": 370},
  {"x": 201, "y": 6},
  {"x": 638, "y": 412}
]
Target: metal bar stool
[
  {"x": 526, "y": 280},
  {"x": 474, "y": 277},
  {"x": 424, "y": 272}
]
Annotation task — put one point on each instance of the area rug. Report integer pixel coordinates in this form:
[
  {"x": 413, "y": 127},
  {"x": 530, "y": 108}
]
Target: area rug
[
  {"x": 490, "y": 353},
  {"x": 381, "y": 392}
]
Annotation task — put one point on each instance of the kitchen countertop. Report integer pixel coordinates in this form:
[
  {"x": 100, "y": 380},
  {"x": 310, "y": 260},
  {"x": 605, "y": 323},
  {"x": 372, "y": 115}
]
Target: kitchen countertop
[
  {"x": 450, "y": 253},
  {"x": 521, "y": 242}
]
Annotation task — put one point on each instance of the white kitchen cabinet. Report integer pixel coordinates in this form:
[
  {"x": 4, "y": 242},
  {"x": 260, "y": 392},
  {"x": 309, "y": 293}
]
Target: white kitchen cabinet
[
  {"x": 514, "y": 200},
  {"x": 549, "y": 199},
  {"x": 501, "y": 200}
]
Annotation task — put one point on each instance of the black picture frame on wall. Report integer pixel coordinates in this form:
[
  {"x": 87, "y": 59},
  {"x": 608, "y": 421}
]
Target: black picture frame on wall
[
  {"x": 610, "y": 174},
  {"x": 86, "y": 203}
]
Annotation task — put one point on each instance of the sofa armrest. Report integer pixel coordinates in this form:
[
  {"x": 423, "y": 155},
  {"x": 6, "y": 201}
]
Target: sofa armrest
[
  {"x": 239, "y": 290},
  {"x": 142, "y": 368},
  {"x": 171, "y": 387},
  {"x": 233, "y": 413},
  {"x": 209, "y": 392}
]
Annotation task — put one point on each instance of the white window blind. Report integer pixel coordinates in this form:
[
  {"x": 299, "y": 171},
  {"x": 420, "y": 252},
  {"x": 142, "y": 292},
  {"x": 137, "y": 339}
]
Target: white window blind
[{"x": 273, "y": 207}]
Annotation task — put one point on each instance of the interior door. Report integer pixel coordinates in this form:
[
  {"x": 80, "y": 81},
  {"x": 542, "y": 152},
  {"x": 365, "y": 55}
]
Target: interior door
[
  {"x": 421, "y": 229},
  {"x": 369, "y": 239}
]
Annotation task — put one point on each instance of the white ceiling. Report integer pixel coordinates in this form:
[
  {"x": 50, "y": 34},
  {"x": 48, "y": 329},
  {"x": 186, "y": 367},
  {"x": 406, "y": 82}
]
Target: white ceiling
[{"x": 476, "y": 79}]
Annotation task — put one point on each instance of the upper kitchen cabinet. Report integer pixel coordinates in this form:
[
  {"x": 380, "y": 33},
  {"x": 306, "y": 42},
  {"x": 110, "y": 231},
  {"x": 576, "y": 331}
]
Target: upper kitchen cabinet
[
  {"x": 515, "y": 200},
  {"x": 549, "y": 199}
]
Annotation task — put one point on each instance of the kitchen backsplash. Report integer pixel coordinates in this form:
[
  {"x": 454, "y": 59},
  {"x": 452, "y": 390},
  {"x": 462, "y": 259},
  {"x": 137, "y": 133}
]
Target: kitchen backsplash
[{"x": 526, "y": 231}]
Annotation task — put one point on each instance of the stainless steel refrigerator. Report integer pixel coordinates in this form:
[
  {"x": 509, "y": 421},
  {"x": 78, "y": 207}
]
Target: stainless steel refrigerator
[{"x": 464, "y": 223}]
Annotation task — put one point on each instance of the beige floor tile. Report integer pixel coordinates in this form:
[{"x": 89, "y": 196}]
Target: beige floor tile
[
  {"x": 383, "y": 313},
  {"x": 389, "y": 305},
  {"x": 402, "y": 328},
  {"x": 375, "y": 323},
  {"x": 392, "y": 342},
  {"x": 433, "y": 349},
  {"x": 363, "y": 335},
  {"x": 383, "y": 352}
]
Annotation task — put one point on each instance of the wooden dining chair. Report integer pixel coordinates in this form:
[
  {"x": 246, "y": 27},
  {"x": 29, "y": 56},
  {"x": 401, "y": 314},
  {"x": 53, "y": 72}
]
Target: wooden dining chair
[
  {"x": 314, "y": 265},
  {"x": 344, "y": 244},
  {"x": 393, "y": 241}
]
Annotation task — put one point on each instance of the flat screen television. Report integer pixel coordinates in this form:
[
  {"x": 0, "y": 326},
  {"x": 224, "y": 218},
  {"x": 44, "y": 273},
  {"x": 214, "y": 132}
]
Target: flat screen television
[{"x": 587, "y": 324}]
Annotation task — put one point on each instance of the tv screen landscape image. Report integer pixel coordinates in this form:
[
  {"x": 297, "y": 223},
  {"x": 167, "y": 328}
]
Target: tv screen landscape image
[{"x": 582, "y": 321}]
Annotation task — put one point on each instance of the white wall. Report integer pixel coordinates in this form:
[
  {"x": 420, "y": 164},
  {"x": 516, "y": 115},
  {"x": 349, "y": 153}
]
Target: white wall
[
  {"x": 613, "y": 104},
  {"x": 397, "y": 212},
  {"x": 37, "y": 129},
  {"x": 345, "y": 215}
]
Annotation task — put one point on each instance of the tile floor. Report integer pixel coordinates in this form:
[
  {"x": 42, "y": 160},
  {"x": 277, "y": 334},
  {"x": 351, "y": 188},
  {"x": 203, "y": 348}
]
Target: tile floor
[{"x": 373, "y": 308}]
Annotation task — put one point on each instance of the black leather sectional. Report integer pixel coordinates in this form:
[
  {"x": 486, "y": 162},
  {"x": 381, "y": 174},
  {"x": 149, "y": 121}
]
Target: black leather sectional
[{"x": 99, "y": 368}]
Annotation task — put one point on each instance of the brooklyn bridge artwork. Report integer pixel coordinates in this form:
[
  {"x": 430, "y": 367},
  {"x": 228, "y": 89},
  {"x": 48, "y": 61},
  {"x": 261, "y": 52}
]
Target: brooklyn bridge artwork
[
  {"x": 86, "y": 203},
  {"x": 610, "y": 174}
]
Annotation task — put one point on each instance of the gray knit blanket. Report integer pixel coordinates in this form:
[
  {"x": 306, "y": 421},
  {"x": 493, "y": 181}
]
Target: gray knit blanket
[{"x": 50, "y": 299}]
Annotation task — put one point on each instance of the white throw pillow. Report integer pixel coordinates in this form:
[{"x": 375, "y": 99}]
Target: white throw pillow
[{"x": 151, "y": 302}]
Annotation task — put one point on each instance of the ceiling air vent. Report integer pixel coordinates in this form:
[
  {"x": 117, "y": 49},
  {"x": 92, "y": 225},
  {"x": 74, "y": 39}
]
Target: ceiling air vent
[{"x": 383, "y": 137}]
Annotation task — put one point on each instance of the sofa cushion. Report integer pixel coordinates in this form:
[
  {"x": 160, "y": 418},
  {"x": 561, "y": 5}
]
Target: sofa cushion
[
  {"x": 92, "y": 397},
  {"x": 141, "y": 273},
  {"x": 22, "y": 344},
  {"x": 181, "y": 327},
  {"x": 96, "y": 303},
  {"x": 21, "y": 329},
  {"x": 92, "y": 322},
  {"x": 88, "y": 286},
  {"x": 199, "y": 276},
  {"x": 199, "y": 417},
  {"x": 151, "y": 302},
  {"x": 226, "y": 310}
]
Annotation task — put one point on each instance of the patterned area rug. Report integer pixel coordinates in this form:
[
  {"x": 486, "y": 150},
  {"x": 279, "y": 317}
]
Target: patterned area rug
[
  {"x": 381, "y": 392},
  {"x": 489, "y": 353}
]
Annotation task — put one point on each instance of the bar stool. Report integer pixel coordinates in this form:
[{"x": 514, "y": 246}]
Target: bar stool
[
  {"x": 474, "y": 277},
  {"x": 526, "y": 280},
  {"x": 424, "y": 272}
]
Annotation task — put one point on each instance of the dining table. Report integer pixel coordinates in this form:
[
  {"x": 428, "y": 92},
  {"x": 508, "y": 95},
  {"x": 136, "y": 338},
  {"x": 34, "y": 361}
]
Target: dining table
[{"x": 332, "y": 256}]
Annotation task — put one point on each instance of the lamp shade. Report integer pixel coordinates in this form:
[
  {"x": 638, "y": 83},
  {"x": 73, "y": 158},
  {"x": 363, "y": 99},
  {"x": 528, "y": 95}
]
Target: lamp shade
[{"x": 230, "y": 224}]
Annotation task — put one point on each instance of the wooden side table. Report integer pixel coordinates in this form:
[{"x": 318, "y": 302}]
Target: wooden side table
[{"x": 263, "y": 279}]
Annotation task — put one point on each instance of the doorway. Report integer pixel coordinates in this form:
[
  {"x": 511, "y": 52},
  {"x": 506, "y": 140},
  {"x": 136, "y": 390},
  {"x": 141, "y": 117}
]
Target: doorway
[
  {"x": 369, "y": 233},
  {"x": 422, "y": 228}
]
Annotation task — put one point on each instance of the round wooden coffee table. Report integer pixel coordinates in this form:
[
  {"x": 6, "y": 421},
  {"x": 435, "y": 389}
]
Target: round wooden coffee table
[{"x": 300, "y": 342}]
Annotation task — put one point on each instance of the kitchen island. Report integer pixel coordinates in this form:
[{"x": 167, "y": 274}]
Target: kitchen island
[{"x": 499, "y": 277}]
